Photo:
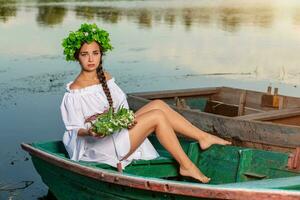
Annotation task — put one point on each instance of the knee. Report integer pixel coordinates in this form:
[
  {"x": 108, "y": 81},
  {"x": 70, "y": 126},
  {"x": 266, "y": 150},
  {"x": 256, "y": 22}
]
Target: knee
[
  {"x": 158, "y": 115},
  {"x": 158, "y": 104}
]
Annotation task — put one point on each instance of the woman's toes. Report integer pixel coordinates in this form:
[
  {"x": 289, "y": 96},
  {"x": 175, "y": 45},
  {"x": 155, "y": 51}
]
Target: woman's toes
[
  {"x": 194, "y": 173},
  {"x": 210, "y": 140}
]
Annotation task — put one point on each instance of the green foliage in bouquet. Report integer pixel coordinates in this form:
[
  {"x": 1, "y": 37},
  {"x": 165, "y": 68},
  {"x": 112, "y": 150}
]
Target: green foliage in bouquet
[{"x": 109, "y": 122}]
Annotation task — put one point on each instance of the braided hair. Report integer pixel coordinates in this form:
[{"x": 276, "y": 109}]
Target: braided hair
[
  {"x": 101, "y": 76},
  {"x": 102, "y": 80}
]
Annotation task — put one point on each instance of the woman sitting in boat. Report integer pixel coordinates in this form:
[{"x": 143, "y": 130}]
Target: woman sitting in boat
[{"x": 95, "y": 91}]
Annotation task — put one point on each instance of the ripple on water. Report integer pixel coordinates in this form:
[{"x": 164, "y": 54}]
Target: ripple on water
[{"x": 42, "y": 83}]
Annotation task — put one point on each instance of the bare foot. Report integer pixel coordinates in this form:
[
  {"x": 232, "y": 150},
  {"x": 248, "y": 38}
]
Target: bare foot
[
  {"x": 209, "y": 140},
  {"x": 195, "y": 173}
]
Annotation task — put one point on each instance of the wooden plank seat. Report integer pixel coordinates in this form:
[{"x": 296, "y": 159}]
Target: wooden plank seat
[
  {"x": 161, "y": 167},
  {"x": 272, "y": 115}
]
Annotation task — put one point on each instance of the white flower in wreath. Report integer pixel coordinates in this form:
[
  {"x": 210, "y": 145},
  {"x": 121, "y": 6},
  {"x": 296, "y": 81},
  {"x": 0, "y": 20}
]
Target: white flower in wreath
[{"x": 86, "y": 33}]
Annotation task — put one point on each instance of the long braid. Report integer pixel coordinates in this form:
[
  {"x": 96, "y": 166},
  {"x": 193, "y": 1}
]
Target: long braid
[{"x": 102, "y": 80}]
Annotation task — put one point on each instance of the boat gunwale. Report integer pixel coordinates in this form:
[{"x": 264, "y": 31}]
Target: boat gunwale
[
  {"x": 163, "y": 186},
  {"x": 219, "y": 116},
  {"x": 239, "y": 119},
  {"x": 179, "y": 92},
  {"x": 197, "y": 91}
]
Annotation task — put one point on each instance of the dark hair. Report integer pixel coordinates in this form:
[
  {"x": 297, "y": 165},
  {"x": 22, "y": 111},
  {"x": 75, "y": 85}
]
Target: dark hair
[{"x": 100, "y": 75}]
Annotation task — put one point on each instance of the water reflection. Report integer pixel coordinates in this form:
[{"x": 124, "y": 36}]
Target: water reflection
[
  {"x": 8, "y": 10},
  {"x": 169, "y": 17},
  {"x": 233, "y": 18},
  {"x": 296, "y": 16},
  {"x": 85, "y": 12},
  {"x": 107, "y": 14},
  {"x": 229, "y": 18},
  {"x": 51, "y": 15},
  {"x": 145, "y": 18},
  {"x": 226, "y": 17}
]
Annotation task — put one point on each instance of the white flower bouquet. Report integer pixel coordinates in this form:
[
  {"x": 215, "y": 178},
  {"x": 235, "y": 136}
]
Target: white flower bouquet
[{"x": 109, "y": 122}]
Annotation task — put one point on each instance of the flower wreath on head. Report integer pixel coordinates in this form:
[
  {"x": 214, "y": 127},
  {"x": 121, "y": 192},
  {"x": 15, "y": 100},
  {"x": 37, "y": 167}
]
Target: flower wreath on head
[{"x": 87, "y": 33}]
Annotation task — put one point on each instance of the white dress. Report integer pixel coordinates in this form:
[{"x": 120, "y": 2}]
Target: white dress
[{"x": 77, "y": 105}]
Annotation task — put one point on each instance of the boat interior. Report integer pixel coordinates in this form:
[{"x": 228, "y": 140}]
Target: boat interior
[
  {"x": 231, "y": 102},
  {"x": 226, "y": 165}
]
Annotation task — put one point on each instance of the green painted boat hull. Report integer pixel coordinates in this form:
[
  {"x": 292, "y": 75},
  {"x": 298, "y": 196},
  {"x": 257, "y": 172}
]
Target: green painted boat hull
[
  {"x": 236, "y": 173},
  {"x": 68, "y": 185}
]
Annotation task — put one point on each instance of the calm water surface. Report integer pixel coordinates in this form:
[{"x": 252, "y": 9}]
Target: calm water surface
[{"x": 158, "y": 45}]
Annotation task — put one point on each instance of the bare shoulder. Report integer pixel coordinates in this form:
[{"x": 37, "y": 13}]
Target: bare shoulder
[
  {"x": 107, "y": 75},
  {"x": 75, "y": 85}
]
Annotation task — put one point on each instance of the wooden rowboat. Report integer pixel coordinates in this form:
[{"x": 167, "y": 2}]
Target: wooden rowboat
[
  {"x": 236, "y": 172},
  {"x": 249, "y": 118},
  {"x": 271, "y": 170}
]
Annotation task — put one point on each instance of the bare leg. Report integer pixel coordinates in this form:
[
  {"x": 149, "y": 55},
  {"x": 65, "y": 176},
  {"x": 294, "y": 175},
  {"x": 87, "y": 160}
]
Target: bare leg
[
  {"x": 183, "y": 126},
  {"x": 155, "y": 120}
]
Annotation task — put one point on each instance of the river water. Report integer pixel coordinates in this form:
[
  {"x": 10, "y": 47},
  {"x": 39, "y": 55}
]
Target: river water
[{"x": 158, "y": 45}]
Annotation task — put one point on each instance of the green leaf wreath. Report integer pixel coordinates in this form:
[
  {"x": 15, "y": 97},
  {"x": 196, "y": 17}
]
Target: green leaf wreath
[
  {"x": 87, "y": 33},
  {"x": 109, "y": 122}
]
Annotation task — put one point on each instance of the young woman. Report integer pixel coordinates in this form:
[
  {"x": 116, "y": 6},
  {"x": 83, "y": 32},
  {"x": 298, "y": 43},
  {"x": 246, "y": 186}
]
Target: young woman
[{"x": 94, "y": 91}]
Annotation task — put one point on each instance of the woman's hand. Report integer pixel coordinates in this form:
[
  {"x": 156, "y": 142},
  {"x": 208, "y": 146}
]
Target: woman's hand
[
  {"x": 93, "y": 134},
  {"x": 89, "y": 132},
  {"x": 132, "y": 125}
]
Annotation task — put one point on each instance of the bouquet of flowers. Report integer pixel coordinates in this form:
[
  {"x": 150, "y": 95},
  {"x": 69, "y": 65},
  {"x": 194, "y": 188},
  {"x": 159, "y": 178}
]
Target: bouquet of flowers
[{"x": 109, "y": 122}]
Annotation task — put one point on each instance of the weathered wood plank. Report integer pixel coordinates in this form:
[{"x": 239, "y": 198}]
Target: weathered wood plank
[
  {"x": 177, "y": 93},
  {"x": 232, "y": 96},
  {"x": 242, "y": 103},
  {"x": 272, "y": 115},
  {"x": 244, "y": 130},
  {"x": 224, "y": 94},
  {"x": 294, "y": 120}
]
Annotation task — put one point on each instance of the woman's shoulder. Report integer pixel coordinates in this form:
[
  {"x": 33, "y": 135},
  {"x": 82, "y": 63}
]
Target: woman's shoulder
[
  {"x": 78, "y": 89},
  {"x": 107, "y": 75},
  {"x": 75, "y": 89},
  {"x": 77, "y": 84}
]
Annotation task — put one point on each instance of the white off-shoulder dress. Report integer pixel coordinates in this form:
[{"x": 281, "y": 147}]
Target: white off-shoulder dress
[{"x": 79, "y": 104}]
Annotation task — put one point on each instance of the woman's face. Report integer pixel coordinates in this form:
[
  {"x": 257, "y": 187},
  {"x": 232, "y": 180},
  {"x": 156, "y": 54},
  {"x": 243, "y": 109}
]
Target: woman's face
[{"x": 89, "y": 56}]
